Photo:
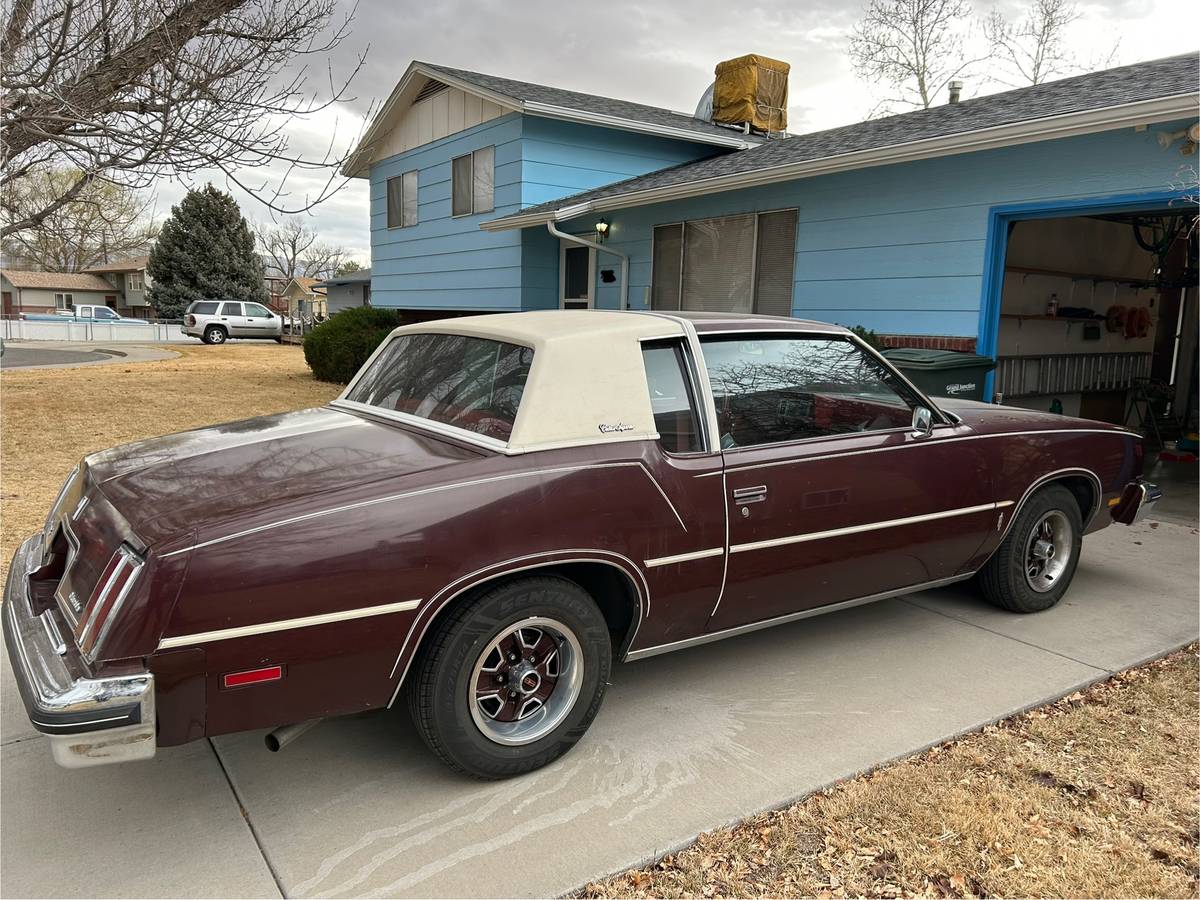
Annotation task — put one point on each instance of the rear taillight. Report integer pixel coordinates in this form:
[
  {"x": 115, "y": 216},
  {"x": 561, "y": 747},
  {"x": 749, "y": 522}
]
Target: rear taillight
[
  {"x": 189, "y": 320},
  {"x": 110, "y": 592}
]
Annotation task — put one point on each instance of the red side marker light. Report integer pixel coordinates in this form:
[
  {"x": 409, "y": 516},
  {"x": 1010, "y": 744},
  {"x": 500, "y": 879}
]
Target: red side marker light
[{"x": 252, "y": 676}]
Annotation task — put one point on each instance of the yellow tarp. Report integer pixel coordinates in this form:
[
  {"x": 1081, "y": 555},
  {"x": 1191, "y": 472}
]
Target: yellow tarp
[{"x": 752, "y": 89}]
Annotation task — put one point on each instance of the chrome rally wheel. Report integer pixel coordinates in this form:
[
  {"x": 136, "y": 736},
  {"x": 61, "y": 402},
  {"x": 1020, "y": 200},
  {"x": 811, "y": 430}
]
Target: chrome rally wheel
[
  {"x": 512, "y": 676},
  {"x": 526, "y": 681},
  {"x": 1034, "y": 564},
  {"x": 1048, "y": 551}
]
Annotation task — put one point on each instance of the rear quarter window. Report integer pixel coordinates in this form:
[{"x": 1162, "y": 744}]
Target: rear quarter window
[
  {"x": 471, "y": 383},
  {"x": 203, "y": 309}
]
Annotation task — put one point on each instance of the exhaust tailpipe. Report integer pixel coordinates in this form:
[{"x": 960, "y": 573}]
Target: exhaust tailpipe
[{"x": 281, "y": 737}]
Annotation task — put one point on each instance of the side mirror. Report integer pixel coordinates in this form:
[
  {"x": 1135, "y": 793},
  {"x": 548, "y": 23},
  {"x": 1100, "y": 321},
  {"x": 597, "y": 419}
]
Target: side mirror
[{"x": 922, "y": 422}]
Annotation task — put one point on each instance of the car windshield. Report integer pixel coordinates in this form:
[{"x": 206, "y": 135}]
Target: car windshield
[{"x": 468, "y": 382}]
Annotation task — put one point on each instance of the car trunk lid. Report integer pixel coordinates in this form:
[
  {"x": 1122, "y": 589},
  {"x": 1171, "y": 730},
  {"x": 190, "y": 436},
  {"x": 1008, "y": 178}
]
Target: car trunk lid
[{"x": 184, "y": 481}]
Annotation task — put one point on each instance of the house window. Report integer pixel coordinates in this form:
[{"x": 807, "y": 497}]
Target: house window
[
  {"x": 402, "y": 200},
  {"x": 64, "y": 301},
  {"x": 473, "y": 182},
  {"x": 742, "y": 263},
  {"x": 135, "y": 281}
]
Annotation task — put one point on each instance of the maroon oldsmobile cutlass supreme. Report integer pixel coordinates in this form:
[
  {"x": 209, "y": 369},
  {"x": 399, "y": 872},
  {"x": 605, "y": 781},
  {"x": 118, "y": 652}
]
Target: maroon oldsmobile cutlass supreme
[{"x": 497, "y": 507}]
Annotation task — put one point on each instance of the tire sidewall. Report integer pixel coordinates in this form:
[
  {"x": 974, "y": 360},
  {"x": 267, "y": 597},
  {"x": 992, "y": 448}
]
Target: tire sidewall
[
  {"x": 1050, "y": 499},
  {"x": 493, "y": 613}
]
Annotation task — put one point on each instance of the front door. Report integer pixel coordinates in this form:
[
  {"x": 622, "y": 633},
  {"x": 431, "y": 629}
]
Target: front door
[
  {"x": 831, "y": 495},
  {"x": 259, "y": 321},
  {"x": 8, "y": 303},
  {"x": 577, "y": 276}
]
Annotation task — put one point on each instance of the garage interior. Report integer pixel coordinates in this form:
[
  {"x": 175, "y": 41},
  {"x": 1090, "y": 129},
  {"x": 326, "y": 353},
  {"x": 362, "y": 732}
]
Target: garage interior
[{"x": 1098, "y": 319}]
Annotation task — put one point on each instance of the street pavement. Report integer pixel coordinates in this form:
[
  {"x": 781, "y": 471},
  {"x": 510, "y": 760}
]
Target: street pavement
[{"x": 685, "y": 742}]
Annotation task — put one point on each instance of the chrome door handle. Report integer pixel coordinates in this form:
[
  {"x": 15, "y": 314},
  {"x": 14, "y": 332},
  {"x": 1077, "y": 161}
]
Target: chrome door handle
[{"x": 751, "y": 494}]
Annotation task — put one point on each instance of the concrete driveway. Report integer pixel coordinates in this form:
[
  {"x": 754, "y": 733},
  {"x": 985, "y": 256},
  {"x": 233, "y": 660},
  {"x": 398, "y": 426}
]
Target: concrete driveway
[{"x": 685, "y": 742}]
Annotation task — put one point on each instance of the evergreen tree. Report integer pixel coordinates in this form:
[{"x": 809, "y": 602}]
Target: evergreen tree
[{"x": 205, "y": 251}]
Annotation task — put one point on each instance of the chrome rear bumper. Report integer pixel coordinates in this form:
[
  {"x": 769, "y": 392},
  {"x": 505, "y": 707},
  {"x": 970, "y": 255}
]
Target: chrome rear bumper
[
  {"x": 1137, "y": 501},
  {"x": 88, "y": 721}
]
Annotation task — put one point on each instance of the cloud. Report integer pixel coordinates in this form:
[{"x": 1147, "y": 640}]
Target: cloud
[{"x": 660, "y": 53}]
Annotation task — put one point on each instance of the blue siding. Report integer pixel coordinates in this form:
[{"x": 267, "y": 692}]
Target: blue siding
[
  {"x": 444, "y": 262},
  {"x": 448, "y": 263},
  {"x": 562, "y": 158},
  {"x": 901, "y": 248}
]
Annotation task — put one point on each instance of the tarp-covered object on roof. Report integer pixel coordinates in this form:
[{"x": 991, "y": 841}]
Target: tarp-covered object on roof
[{"x": 752, "y": 89}]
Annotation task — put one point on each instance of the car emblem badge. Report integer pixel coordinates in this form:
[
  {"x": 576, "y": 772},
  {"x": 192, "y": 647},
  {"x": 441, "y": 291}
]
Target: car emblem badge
[{"x": 612, "y": 429}]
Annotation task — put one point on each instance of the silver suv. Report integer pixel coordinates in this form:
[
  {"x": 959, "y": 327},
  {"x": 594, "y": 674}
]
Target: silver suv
[{"x": 215, "y": 322}]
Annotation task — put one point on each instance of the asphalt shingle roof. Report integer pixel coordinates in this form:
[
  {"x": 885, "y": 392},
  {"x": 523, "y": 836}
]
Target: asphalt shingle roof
[
  {"x": 57, "y": 281},
  {"x": 1113, "y": 87},
  {"x": 620, "y": 109},
  {"x": 133, "y": 264}
]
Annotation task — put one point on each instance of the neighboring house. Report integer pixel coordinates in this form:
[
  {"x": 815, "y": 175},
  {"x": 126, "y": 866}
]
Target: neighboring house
[
  {"x": 45, "y": 292},
  {"x": 131, "y": 281},
  {"x": 346, "y": 291},
  {"x": 275, "y": 286},
  {"x": 303, "y": 298},
  {"x": 490, "y": 194}
]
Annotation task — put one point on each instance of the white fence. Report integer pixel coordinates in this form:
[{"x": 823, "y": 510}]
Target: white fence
[{"x": 71, "y": 330}]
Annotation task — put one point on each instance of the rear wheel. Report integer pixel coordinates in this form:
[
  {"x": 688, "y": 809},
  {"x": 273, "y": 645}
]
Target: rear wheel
[
  {"x": 511, "y": 681},
  {"x": 1035, "y": 563},
  {"x": 215, "y": 334}
]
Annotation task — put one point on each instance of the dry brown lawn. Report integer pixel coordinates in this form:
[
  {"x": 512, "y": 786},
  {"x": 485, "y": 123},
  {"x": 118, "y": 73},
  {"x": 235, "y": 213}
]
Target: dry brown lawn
[
  {"x": 50, "y": 418},
  {"x": 1096, "y": 795}
]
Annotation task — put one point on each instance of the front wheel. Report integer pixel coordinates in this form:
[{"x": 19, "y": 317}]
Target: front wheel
[
  {"x": 1034, "y": 565},
  {"x": 512, "y": 680}
]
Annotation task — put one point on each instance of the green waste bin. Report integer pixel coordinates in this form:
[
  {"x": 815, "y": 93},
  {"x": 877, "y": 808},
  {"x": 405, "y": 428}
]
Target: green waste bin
[{"x": 943, "y": 373}]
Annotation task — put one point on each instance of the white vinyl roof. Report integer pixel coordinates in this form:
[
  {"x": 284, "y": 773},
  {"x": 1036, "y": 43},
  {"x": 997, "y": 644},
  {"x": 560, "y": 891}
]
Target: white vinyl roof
[{"x": 587, "y": 383}]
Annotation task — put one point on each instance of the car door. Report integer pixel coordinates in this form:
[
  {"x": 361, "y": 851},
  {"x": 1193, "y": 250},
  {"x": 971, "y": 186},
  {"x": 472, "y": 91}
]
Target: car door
[
  {"x": 832, "y": 495},
  {"x": 260, "y": 322},
  {"x": 234, "y": 319}
]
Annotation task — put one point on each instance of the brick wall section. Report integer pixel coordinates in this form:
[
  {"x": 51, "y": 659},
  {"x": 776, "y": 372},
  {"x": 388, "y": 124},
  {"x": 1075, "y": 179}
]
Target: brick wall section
[{"x": 929, "y": 342}]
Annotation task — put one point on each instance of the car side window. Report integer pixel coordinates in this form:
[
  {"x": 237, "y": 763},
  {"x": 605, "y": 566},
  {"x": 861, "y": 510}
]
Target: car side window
[
  {"x": 203, "y": 308},
  {"x": 773, "y": 388},
  {"x": 256, "y": 311},
  {"x": 231, "y": 309},
  {"x": 672, "y": 400},
  {"x": 103, "y": 312}
]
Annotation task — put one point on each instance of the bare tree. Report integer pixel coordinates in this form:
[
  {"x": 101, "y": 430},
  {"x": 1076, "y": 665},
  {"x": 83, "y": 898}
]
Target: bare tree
[
  {"x": 293, "y": 248},
  {"x": 1036, "y": 48},
  {"x": 131, "y": 90},
  {"x": 104, "y": 222},
  {"x": 914, "y": 48}
]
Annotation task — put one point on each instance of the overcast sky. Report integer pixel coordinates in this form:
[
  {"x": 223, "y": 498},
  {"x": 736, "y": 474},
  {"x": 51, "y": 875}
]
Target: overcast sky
[{"x": 660, "y": 52}]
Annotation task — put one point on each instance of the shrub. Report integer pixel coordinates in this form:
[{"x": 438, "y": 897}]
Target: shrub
[{"x": 336, "y": 349}]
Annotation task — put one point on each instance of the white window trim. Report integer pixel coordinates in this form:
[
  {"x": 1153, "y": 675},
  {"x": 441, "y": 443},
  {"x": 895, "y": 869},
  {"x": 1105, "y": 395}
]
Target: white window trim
[
  {"x": 67, "y": 298},
  {"x": 474, "y": 211},
  {"x": 562, "y": 275}
]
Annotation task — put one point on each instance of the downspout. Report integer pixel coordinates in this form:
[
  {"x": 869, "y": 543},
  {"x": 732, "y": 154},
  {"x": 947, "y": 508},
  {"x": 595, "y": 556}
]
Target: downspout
[{"x": 574, "y": 239}]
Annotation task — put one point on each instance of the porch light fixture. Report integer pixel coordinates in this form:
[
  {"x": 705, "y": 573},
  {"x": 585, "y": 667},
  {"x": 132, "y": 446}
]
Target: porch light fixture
[{"x": 601, "y": 230}]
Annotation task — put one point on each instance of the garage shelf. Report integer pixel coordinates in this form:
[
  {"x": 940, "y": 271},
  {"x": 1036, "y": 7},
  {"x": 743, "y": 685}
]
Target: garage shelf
[{"x": 1079, "y": 276}]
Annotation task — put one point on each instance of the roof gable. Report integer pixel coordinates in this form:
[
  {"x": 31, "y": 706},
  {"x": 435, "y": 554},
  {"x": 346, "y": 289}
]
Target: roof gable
[
  {"x": 1155, "y": 91},
  {"x": 528, "y": 98}
]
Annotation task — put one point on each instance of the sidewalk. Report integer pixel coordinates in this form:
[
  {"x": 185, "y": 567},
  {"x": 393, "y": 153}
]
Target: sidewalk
[{"x": 685, "y": 742}]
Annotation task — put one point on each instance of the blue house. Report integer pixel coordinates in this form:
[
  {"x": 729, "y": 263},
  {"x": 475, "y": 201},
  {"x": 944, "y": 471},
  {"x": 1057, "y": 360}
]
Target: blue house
[{"x": 1015, "y": 224}]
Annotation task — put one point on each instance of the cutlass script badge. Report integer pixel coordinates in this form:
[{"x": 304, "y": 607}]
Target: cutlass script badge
[{"x": 611, "y": 429}]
